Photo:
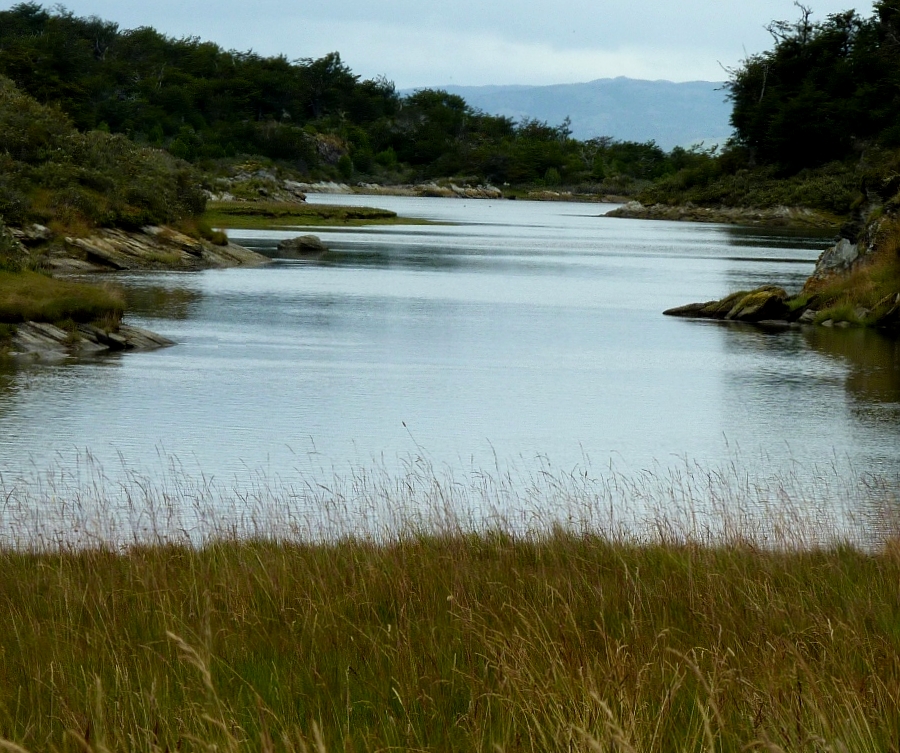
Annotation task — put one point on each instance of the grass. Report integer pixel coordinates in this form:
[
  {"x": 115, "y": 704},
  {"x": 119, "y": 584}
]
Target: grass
[
  {"x": 260, "y": 214},
  {"x": 450, "y": 635},
  {"x": 31, "y": 296},
  {"x": 868, "y": 292}
]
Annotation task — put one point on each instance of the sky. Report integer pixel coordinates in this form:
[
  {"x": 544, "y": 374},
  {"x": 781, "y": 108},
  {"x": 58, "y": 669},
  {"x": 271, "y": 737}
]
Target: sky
[{"x": 419, "y": 43}]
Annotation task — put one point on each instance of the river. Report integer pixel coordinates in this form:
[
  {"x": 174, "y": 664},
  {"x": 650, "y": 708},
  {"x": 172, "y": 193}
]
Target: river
[{"x": 516, "y": 334}]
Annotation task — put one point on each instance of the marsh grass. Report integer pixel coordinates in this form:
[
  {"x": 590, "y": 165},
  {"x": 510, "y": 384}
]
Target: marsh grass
[
  {"x": 675, "y": 610},
  {"x": 32, "y": 296},
  {"x": 265, "y": 214}
]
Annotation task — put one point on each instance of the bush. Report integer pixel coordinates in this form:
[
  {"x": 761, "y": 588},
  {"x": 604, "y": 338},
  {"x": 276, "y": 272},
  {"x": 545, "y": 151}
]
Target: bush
[{"x": 51, "y": 173}]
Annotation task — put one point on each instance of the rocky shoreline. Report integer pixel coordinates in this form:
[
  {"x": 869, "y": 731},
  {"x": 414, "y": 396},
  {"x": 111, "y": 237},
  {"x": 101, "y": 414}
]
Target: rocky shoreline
[
  {"x": 47, "y": 342},
  {"x": 152, "y": 247},
  {"x": 771, "y": 306},
  {"x": 110, "y": 250},
  {"x": 771, "y": 217}
]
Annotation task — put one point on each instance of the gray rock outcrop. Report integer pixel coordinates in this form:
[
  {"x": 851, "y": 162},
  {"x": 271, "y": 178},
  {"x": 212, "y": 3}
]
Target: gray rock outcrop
[
  {"x": 151, "y": 248},
  {"x": 771, "y": 216},
  {"x": 42, "y": 341}
]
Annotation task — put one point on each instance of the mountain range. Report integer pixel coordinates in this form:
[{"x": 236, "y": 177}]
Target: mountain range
[{"x": 671, "y": 114}]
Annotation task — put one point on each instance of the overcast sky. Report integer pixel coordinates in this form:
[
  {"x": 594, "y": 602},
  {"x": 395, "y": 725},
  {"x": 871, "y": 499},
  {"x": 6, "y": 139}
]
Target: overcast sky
[{"x": 468, "y": 42}]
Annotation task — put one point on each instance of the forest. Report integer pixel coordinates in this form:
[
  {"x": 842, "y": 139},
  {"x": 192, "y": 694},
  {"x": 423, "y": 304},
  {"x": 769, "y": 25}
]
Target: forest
[
  {"x": 815, "y": 118},
  {"x": 206, "y": 105}
]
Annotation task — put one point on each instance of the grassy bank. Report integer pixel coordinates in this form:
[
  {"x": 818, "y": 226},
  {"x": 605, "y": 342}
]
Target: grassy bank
[
  {"x": 457, "y": 642},
  {"x": 378, "y": 612},
  {"x": 31, "y": 296},
  {"x": 867, "y": 295},
  {"x": 258, "y": 214}
]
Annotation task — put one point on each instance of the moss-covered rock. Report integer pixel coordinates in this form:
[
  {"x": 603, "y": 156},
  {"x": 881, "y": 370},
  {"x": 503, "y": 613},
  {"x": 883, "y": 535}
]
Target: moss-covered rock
[{"x": 765, "y": 303}]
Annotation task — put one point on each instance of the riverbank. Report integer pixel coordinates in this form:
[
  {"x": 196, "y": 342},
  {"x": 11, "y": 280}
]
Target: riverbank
[
  {"x": 45, "y": 316},
  {"x": 779, "y": 216},
  {"x": 853, "y": 284},
  {"x": 450, "y": 641},
  {"x": 248, "y": 215}
]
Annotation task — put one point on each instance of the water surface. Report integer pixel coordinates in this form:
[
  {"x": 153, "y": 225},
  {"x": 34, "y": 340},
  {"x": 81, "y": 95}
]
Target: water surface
[{"x": 524, "y": 331}]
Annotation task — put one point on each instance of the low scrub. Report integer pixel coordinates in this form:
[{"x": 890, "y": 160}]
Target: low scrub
[
  {"x": 31, "y": 296},
  {"x": 834, "y": 189},
  {"x": 55, "y": 175}
]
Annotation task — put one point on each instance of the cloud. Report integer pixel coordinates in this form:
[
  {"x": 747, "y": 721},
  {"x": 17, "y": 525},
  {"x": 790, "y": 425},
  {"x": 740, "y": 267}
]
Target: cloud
[{"x": 435, "y": 57}]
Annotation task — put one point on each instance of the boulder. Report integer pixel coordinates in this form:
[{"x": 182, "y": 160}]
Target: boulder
[
  {"x": 763, "y": 303},
  {"x": 837, "y": 258},
  {"x": 767, "y": 303},
  {"x": 302, "y": 247}
]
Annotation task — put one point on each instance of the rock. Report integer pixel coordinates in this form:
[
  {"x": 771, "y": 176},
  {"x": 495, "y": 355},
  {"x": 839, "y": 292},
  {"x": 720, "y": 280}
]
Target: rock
[
  {"x": 32, "y": 235},
  {"x": 137, "y": 338},
  {"x": 48, "y": 342},
  {"x": 152, "y": 248},
  {"x": 721, "y": 309},
  {"x": 693, "y": 310},
  {"x": 837, "y": 258},
  {"x": 764, "y": 303},
  {"x": 302, "y": 247},
  {"x": 767, "y": 303},
  {"x": 808, "y": 316},
  {"x": 296, "y": 189},
  {"x": 775, "y": 216}
]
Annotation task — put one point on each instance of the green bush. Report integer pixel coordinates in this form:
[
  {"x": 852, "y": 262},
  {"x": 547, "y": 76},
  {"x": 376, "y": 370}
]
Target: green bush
[{"x": 53, "y": 174}]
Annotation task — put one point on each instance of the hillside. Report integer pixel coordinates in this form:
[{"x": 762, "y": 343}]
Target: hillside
[{"x": 671, "y": 114}]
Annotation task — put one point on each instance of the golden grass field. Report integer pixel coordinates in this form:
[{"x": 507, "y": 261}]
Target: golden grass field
[{"x": 270, "y": 621}]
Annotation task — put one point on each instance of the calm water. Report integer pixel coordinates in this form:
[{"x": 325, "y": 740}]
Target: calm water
[{"x": 526, "y": 331}]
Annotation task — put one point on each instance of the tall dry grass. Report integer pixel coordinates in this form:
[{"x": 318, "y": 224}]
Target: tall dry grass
[{"x": 668, "y": 611}]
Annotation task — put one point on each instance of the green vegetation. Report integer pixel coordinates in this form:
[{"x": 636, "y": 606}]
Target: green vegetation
[
  {"x": 55, "y": 175},
  {"x": 869, "y": 294},
  {"x": 316, "y": 118},
  {"x": 239, "y": 214},
  {"x": 815, "y": 121},
  {"x": 450, "y": 642},
  {"x": 32, "y": 296}
]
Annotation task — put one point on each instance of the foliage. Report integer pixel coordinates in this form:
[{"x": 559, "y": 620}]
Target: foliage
[
  {"x": 826, "y": 91},
  {"x": 10, "y": 251},
  {"x": 203, "y": 104},
  {"x": 53, "y": 174}
]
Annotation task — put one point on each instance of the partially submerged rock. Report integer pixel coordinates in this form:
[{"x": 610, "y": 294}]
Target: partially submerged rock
[
  {"x": 765, "y": 304},
  {"x": 302, "y": 247},
  {"x": 44, "y": 341}
]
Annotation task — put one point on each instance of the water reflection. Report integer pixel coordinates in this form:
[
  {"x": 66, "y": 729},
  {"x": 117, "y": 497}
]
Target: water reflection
[
  {"x": 162, "y": 301},
  {"x": 873, "y": 359}
]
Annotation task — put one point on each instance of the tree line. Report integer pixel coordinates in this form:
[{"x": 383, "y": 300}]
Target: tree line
[{"x": 203, "y": 103}]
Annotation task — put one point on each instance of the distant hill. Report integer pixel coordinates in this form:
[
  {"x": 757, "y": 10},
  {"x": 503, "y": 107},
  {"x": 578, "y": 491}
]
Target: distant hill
[{"x": 672, "y": 114}]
